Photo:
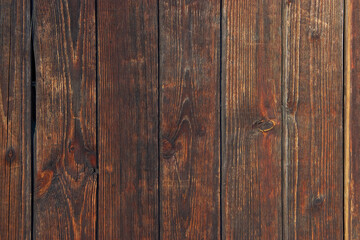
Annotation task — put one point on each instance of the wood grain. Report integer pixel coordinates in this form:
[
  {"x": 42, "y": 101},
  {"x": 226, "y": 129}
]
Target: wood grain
[
  {"x": 128, "y": 119},
  {"x": 190, "y": 119},
  {"x": 65, "y": 160},
  {"x": 15, "y": 119},
  {"x": 352, "y": 126},
  {"x": 251, "y": 170},
  {"x": 313, "y": 101}
]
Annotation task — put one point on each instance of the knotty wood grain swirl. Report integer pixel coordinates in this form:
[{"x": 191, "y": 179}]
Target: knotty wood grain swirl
[
  {"x": 313, "y": 102},
  {"x": 65, "y": 159},
  {"x": 128, "y": 119},
  {"x": 15, "y": 127},
  {"x": 190, "y": 119},
  {"x": 251, "y": 170}
]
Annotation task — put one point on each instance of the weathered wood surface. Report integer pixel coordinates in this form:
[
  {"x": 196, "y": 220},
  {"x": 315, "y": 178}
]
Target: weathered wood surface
[
  {"x": 190, "y": 119},
  {"x": 163, "y": 119},
  {"x": 65, "y": 156},
  {"x": 352, "y": 116},
  {"x": 128, "y": 119},
  {"x": 313, "y": 119},
  {"x": 251, "y": 76},
  {"x": 15, "y": 120}
]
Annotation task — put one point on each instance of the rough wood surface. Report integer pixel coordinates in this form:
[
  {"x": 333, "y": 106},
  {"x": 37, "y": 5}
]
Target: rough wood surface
[
  {"x": 251, "y": 171},
  {"x": 128, "y": 119},
  {"x": 15, "y": 121},
  {"x": 190, "y": 119},
  {"x": 313, "y": 105},
  {"x": 65, "y": 159},
  {"x": 352, "y": 115}
]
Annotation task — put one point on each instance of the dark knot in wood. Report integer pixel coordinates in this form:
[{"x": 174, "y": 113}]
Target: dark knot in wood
[
  {"x": 10, "y": 155},
  {"x": 264, "y": 125},
  {"x": 318, "y": 201}
]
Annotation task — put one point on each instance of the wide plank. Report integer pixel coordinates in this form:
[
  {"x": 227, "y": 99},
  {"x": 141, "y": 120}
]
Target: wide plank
[
  {"x": 190, "y": 119},
  {"x": 128, "y": 119},
  {"x": 352, "y": 116},
  {"x": 65, "y": 136},
  {"x": 15, "y": 119},
  {"x": 313, "y": 119},
  {"x": 251, "y": 77}
]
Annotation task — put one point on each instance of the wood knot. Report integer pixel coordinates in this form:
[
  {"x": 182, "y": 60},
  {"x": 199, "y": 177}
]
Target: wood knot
[
  {"x": 169, "y": 149},
  {"x": 71, "y": 147},
  {"x": 201, "y": 131},
  {"x": 264, "y": 125},
  {"x": 315, "y": 34},
  {"x": 10, "y": 155},
  {"x": 318, "y": 201}
]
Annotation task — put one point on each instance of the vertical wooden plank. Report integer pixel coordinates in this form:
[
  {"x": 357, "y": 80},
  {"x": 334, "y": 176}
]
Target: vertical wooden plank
[
  {"x": 352, "y": 116},
  {"x": 251, "y": 171},
  {"x": 65, "y": 167},
  {"x": 128, "y": 119},
  {"x": 313, "y": 101},
  {"x": 190, "y": 119},
  {"x": 15, "y": 121}
]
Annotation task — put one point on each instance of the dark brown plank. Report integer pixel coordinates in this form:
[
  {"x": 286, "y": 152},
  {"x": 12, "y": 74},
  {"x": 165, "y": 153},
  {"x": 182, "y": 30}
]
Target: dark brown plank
[
  {"x": 251, "y": 171},
  {"x": 313, "y": 137},
  {"x": 128, "y": 119},
  {"x": 15, "y": 127},
  {"x": 352, "y": 116},
  {"x": 65, "y": 167},
  {"x": 190, "y": 119}
]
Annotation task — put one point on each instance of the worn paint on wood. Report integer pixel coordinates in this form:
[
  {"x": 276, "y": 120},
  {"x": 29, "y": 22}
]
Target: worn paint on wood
[
  {"x": 251, "y": 171},
  {"x": 190, "y": 119},
  {"x": 313, "y": 115},
  {"x": 65, "y": 158},
  {"x": 128, "y": 119},
  {"x": 15, "y": 121}
]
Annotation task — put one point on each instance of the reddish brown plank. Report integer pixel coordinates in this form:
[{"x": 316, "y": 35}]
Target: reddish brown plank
[
  {"x": 15, "y": 127},
  {"x": 352, "y": 116},
  {"x": 313, "y": 132},
  {"x": 190, "y": 119},
  {"x": 65, "y": 159},
  {"x": 251, "y": 171},
  {"x": 128, "y": 119}
]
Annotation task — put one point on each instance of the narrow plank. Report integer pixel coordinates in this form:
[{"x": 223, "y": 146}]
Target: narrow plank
[
  {"x": 352, "y": 126},
  {"x": 65, "y": 159},
  {"x": 190, "y": 119},
  {"x": 15, "y": 119},
  {"x": 128, "y": 119},
  {"x": 313, "y": 101},
  {"x": 251, "y": 170}
]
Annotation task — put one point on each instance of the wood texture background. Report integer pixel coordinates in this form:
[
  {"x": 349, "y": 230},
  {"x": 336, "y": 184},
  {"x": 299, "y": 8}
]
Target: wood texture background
[
  {"x": 313, "y": 119},
  {"x": 65, "y": 179},
  {"x": 15, "y": 120},
  {"x": 189, "y": 117},
  {"x": 128, "y": 119},
  {"x": 179, "y": 119},
  {"x": 251, "y": 170}
]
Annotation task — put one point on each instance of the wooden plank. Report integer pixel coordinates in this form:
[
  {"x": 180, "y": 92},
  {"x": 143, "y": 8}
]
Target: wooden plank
[
  {"x": 15, "y": 120},
  {"x": 128, "y": 119},
  {"x": 65, "y": 167},
  {"x": 313, "y": 101},
  {"x": 251, "y": 170},
  {"x": 190, "y": 119},
  {"x": 352, "y": 115}
]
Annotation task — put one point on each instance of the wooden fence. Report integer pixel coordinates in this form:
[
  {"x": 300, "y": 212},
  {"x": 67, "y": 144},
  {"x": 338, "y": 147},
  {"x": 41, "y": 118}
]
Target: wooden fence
[{"x": 180, "y": 119}]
